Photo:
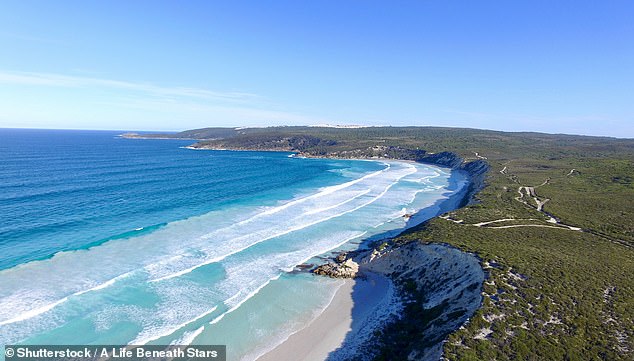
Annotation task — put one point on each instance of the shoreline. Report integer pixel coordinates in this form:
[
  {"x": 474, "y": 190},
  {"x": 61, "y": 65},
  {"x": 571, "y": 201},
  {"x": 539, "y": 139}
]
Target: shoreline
[
  {"x": 329, "y": 329},
  {"x": 347, "y": 322},
  {"x": 355, "y": 302},
  {"x": 331, "y": 333}
]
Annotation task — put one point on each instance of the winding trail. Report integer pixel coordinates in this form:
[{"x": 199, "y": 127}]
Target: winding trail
[{"x": 525, "y": 193}]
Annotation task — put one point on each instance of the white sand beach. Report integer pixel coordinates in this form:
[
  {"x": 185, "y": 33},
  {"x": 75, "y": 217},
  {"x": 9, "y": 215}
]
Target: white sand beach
[{"x": 353, "y": 303}]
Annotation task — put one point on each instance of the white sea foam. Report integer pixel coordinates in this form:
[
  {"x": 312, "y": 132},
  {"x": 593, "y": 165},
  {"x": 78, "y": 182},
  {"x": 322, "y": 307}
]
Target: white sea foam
[
  {"x": 252, "y": 246},
  {"x": 188, "y": 337},
  {"x": 319, "y": 210},
  {"x": 323, "y": 250},
  {"x": 49, "y": 306},
  {"x": 291, "y": 259},
  {"x": 143, "y": 339},
  {"x": 237, "y": 304},
  {"x": 251, "y": 241},
  {"x": 112, "y": 281},
  {"x": 108, "y": 283},
  {"x": 325, "y": 191},
  {"x": 34, "y": 312}
]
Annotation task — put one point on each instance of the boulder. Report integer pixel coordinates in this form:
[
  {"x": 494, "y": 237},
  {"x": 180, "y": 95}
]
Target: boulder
[{"x": 346, "y": 269}]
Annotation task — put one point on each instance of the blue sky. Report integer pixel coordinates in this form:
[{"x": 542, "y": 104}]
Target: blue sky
[{"x": 551, "y": 66}]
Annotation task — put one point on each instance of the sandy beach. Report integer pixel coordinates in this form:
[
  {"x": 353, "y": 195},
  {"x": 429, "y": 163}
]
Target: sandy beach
[{"x": 343, "y": 320}]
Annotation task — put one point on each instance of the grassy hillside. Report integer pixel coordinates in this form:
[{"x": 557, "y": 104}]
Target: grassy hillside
[
  {"x": 554, "y": 228},
  {"x": 553, "y": 293}
]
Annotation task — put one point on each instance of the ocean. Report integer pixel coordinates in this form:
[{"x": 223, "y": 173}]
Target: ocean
[{"x": 106, "y": 240}]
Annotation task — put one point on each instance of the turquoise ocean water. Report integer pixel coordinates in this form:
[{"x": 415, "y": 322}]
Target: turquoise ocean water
[{"x": 105, "y": 240}]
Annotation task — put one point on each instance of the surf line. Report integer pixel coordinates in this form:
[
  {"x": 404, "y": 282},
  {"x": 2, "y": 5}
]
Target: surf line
[
  {"x": 259, "y": 288},
  {"x": 38, "y": 311},
  {"x": 157, "y": 266},
  {"x": 220, "y": 258},
  {"x": 325, "y": 191},
  {"x": 170, "y": 331}
]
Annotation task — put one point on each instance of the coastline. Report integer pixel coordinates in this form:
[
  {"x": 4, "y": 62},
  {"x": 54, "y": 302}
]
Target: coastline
[
  {"x": 519, "y": 263},
  {"x": 322, "y": 335},
  {"x": 501, "y": 149},
  {"x": 331, "y": 335},
  {"x": 335, "y": 333},
  {"x": 354, "y": 303}
]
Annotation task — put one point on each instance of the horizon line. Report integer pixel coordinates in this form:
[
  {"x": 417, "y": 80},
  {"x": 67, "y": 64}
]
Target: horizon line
[{"x": 317, "y": 126}]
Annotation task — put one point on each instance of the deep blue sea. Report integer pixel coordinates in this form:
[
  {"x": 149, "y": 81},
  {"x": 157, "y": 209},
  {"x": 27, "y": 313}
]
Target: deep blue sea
[{"x": 106, "y": 240}]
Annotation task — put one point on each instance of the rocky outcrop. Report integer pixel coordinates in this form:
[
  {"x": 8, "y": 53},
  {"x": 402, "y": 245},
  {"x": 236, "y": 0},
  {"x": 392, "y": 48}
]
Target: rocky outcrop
[{"x": 343, "y": 267}]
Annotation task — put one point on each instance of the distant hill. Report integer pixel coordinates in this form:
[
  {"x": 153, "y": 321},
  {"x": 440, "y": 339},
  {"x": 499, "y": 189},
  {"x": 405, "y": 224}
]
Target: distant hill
[
  {"x": 204, "y": 133},
  {"x": 316, "y": 140}
]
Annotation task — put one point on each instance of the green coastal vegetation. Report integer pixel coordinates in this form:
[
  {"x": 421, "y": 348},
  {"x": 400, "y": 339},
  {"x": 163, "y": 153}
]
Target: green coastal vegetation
[{"x": 553, "y": 225}]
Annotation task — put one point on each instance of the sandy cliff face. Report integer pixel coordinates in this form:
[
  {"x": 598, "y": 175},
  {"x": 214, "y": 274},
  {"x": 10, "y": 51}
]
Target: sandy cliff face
[
  {"x": 441, "y": 285},
  {"x": 477, "y": 174},
  {"x": 445, "y": 281}
]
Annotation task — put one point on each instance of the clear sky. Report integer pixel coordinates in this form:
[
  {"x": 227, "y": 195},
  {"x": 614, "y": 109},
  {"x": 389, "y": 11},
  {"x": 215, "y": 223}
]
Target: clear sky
[{"x": 551, "y": 66}]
